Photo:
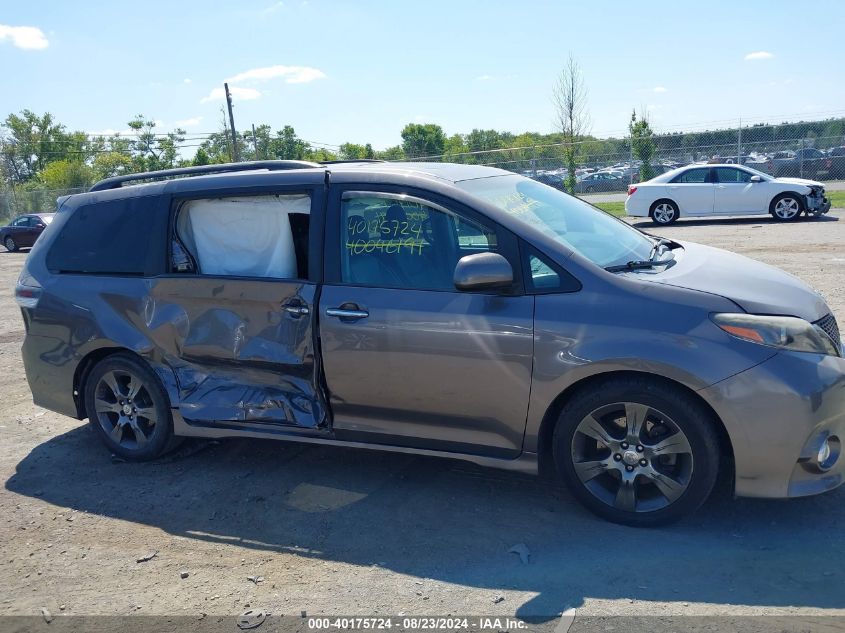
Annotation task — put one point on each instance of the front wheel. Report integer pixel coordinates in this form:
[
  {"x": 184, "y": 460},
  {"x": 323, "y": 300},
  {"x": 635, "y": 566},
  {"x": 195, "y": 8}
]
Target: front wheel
[
  {"x": 786, "y": 207},
  {"x": 637, "y": 451},
  {"x": 128, "y": 408},
  {"x": 10, "y": 244}
]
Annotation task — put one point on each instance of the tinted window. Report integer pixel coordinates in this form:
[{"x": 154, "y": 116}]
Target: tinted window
[
  {"x": 398, "y": 242},
  {"x": 692, "y": 176},
  {"x": 24, "y": 221},
  {"x": 729, "y": 175},
  {"x": 106, "y": 237}
]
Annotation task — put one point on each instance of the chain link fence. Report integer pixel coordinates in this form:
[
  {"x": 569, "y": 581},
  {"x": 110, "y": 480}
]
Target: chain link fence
[{"x": 813, "y": 150}]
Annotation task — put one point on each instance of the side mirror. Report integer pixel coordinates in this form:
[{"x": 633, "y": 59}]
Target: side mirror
[
  {"x": 756, "y": 178},
  {"x": 483, "y": 271},
  {"x": 40, "y": 226}
]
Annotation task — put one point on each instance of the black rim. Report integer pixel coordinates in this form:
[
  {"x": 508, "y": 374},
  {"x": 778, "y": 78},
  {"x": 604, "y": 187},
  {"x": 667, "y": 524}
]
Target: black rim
[
  {"x": 10, "y": 244},
  {"x": 632, "y": 457},
  {"x": 124, "y": 409}
]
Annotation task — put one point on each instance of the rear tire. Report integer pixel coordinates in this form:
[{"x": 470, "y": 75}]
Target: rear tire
[
  {"x": 664, "y": 212},
  {"x": 658, "y": 458},
  {"x": 10, "y": 244},
  {"x": 786, "y": 207},
  {"x": 128, "y": 408}
]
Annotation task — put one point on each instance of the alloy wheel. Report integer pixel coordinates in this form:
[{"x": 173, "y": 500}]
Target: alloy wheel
[
  {"x": 125, "y": 409},
  {"x": 787, "y": 208},
  {"x": 664, "y": 213},
  {"x": 10, "y": 244},
  {"x": 632, "y": 457}
]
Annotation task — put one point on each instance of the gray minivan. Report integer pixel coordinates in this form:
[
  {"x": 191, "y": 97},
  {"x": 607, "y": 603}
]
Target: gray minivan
[{"x": 448, "y": 310}]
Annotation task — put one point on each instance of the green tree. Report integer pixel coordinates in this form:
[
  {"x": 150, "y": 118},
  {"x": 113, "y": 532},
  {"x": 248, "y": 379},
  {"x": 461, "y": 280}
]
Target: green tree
[
  {"x": 352, "y": 151},
  {"x": 642, "y": 143},
  {"x": 66, "y": 174},
  {"x": 420, "y": 140},
  {"x": 32, "y": 141}
]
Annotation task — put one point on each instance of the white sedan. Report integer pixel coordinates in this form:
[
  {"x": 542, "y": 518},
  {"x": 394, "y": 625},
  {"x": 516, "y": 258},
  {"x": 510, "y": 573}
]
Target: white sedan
[{"x": 720, "y": 190}]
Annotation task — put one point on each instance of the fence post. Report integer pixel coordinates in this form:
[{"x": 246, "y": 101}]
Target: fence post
[
  {"x": 631, "y": 161},
  {"x": 801, "y": 162},
  {"x": 534, "y": 161},
  {"x": 739, "y": 144}
]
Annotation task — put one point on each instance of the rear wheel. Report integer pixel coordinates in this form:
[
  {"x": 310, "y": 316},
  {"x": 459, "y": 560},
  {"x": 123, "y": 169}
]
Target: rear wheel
[
  {"x": 10, "y": 244},
  {"x": 664, "y": 212},
  {"x": 128, "y": 408},
  {"x": 786, "y": 207},
  {"x": 637, "y": 451}
]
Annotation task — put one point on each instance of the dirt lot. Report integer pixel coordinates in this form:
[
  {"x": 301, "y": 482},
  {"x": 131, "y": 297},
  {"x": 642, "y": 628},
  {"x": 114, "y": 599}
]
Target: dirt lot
[{"x": 341, "y": 531}]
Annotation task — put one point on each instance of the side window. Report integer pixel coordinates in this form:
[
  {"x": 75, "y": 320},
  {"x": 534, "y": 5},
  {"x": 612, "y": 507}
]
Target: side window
[
  {"x": 243, "y": 236},
  {"x": 23, "y": 221},
  {"x": 113, "y": 237},
  {"x": 395, "y": 241},
  {"x": 732, "y": 175},
  {"x": 693, "y": 176},
  {"x": 545, "y": 277}
]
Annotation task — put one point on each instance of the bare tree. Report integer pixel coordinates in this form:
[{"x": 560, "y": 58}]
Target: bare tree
[{"x": 573, "y": 119}]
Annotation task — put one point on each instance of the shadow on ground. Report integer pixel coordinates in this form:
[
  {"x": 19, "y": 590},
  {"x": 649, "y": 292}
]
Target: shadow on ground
[
  {"x": 452, "y": 522},
  {"x": 732, "y": 221}
]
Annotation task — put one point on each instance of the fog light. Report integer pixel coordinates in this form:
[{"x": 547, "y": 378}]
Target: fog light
[{"x": 828, "y": 453}]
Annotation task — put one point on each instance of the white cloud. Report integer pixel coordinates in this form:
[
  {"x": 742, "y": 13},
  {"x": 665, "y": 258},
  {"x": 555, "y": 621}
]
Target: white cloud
[
  {"x": 186, "y": 81},
  {"x": 659, "y": 89},
  {"x": 484, "y": 78},
  {"x": 26, "y": 37},
  {"x": 292, "y": 74},
  {"x": 192, "y": 122},
  {"x": 758, "y": 55},
  {"x": 242, "y": 94},
  {"x": 278, "y": 6}
]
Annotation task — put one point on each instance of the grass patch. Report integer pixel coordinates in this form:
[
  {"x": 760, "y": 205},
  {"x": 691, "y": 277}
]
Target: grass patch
[
  {"x": 618, "y": 208},
  {"x": 837, "y": 199}
]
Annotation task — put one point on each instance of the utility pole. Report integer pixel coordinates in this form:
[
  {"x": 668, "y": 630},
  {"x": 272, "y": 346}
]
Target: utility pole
[
  {"x": 739, "y": 144},
  {"x": 255, "y": 142},
  {"x": 236, "y": 155}
]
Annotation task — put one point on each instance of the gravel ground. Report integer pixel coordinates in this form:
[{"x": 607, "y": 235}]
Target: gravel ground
[{"x": 339, "y": 531}]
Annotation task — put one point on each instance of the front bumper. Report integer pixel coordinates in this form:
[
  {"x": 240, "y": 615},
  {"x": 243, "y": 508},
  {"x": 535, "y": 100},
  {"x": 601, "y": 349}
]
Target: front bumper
[
  {"x": 818, "y": 204},
  {"x": 774, "y": 414}
]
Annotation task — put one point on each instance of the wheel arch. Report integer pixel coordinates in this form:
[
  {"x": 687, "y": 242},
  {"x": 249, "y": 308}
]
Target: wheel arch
[
  {"x": 658, "y": 201},
  {"x": 92, "y": 358},
  {"x": 802, "y": 203},
  {"x": 546, "y": 464}
]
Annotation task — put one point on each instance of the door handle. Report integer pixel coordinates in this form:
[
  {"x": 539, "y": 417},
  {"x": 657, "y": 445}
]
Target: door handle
[
  {"x": 296, "y": 308},
  {"x": 347, "y": 314}
]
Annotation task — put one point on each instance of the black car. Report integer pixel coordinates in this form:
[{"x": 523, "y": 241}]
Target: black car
[{"x": 24, "y": 230}]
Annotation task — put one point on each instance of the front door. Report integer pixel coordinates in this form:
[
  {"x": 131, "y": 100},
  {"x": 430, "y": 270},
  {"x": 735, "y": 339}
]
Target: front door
[
  {"x": 736, "y": 194},
  {"x": 408, "y": 359},
  {"x": 235, "y": 315}
]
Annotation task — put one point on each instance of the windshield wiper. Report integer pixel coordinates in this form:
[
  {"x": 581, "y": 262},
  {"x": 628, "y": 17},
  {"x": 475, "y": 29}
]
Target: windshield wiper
[{"x": 651, "y": 262}]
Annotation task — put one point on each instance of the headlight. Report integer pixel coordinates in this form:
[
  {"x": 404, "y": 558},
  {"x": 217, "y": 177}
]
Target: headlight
[{"x": 784, "y": 332}]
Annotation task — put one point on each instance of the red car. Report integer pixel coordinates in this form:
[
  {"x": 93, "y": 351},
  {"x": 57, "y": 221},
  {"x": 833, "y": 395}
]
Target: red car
[{"x": 24, "y": 230}]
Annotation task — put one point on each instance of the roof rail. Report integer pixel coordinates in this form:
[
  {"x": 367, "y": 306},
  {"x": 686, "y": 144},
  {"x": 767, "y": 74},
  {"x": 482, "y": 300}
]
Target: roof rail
[
  {"x": 352, "y": 160},
  {"x": 270, "y": 165}
]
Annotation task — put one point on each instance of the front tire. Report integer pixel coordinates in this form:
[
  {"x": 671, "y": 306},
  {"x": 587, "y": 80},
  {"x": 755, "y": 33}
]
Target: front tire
[
  {"x": 787, "y": 207},
  {"x": 664, "y": 212},
  {"x": 637, "y": 451},
  {"x": 128, "y": 408},
  {"x": 10, "y": 244}
]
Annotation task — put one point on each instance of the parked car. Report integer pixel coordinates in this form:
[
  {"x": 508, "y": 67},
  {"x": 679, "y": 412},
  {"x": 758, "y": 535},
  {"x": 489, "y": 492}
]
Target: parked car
[
  {"x": 24, "y": 230},
  {"x": 714, "y": 190},
  {"x": 457, "y": 311},
  {"x": 550, "y": 179},
  {"x": 600, "y": 181},
  {"x": 807, "y": 162}
]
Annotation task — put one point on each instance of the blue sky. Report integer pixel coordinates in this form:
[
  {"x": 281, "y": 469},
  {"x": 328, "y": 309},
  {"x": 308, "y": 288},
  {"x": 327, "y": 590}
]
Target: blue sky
[{"x": 359, "y": 71}]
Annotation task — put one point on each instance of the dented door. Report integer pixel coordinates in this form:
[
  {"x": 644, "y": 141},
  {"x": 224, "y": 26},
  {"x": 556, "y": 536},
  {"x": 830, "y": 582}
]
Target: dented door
[{"x": 242, "y": 350}]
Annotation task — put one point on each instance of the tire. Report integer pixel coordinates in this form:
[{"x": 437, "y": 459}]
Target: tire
[
  {"x": 786, "y": 207},
  {"x": 664, "y": 212},
  {"x": 590, "y": 189},
  {"x": 137, "y": 428},
  {"x": 665, "y": 476},
  {"x": 10, "y": 244}
]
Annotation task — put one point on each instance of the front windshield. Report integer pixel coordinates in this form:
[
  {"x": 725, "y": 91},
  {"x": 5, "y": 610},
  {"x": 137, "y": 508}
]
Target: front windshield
[{"x": 596, "y": 235}]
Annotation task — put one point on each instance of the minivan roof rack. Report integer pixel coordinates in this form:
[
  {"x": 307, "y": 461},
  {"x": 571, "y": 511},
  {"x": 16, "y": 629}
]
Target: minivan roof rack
[
  {"x": 270, "y": 165},
  {"x": 352, "y": 160}
]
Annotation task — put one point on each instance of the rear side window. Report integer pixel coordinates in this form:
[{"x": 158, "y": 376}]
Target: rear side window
[
  {"x": 113, "y": 237},
  {"x": 693, "y": 176}
]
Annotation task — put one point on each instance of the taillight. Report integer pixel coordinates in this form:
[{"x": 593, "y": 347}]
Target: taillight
[
  {"x": 631, "y": 190},
  {"x": 27, "y": 290}
]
